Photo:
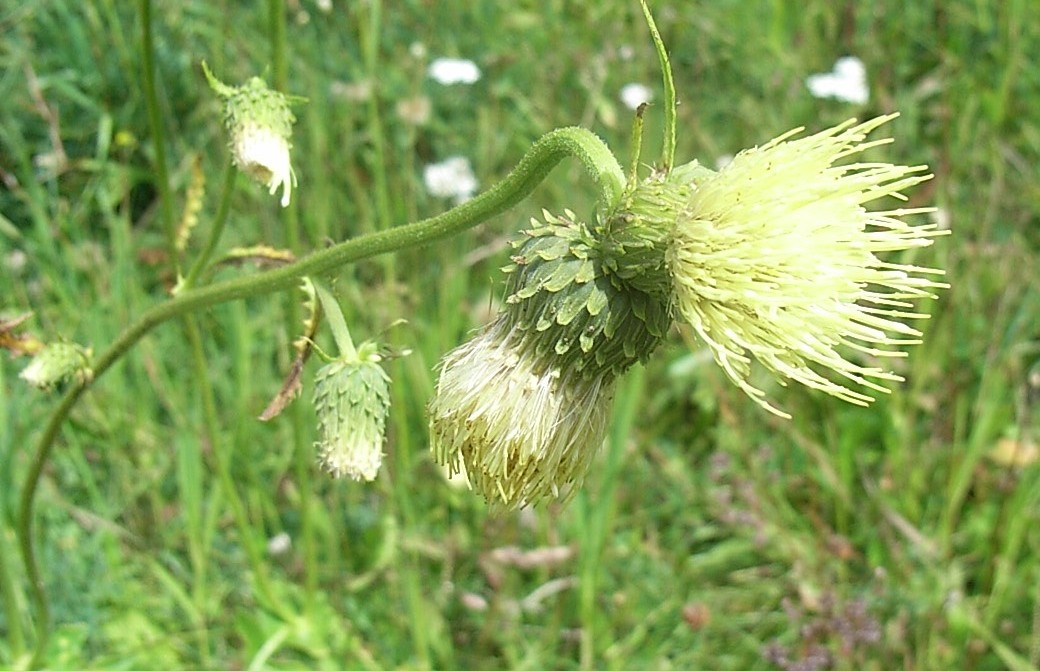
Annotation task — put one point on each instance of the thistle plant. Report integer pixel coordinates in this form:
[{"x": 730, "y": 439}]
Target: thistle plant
[{"x": 774, "y": 261}]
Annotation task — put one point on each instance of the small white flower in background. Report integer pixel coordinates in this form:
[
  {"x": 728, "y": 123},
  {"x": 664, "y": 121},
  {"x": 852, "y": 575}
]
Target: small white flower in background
[
  {"x": 449, "y": 71},
  {"x": 451, "y": 178},
  {"x": 846, "y": 82},
  {"x": 633, "y": 95},
  {"x": 415, "y": 111},
  {"x": 417, "y": 50},
  {"x": 279, "y": 544},
  {"x": 625, "y": 52},
  {"x": 356, "y": 92},
  {"x": 324, "y": 5}
]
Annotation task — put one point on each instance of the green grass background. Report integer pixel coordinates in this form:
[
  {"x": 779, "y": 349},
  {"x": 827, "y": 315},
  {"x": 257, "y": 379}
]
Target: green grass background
[{"x": 709, "y": 535}]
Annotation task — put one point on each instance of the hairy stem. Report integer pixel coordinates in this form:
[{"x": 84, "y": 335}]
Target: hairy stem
[{"x": 536, "y": 164}]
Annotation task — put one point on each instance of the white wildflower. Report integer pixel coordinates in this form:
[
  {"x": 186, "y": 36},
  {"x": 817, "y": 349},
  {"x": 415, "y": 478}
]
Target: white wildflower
[
  {"x": 451, "y": 178},
  {"x": 449, "y": 71},
  {"x": 846, "y": 82},
  {"x": 634, "y": 94}
]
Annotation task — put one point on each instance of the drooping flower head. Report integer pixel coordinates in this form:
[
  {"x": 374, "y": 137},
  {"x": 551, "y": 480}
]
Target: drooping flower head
[
  {"x": 775, "y": 258},
  {"x": 524, "y": 405},
  {"x": 58, "y": 362},
  {"x": 352, "y": 397},
  {"x": 259, "y": 121}
]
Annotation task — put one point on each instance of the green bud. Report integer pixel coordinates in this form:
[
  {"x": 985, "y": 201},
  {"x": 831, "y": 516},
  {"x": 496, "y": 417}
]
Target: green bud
[
  {"x": 58, "y": 362},
  {"x": 260, "y": 123},
  {"x": 578, "y": 314},
  {"x": 634, "y": 238},
  {"x": 352, "y": 399}
]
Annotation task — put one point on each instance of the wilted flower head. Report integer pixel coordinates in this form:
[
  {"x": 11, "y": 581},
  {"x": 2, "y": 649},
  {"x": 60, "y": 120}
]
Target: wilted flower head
[
  {"x": 352, "y": 397},
  {"x": 260, "y": 124},
  {"x": 525, "y": 430},
  {"x": 775, "y": 258},
  {"x": 58, "y": 362}
]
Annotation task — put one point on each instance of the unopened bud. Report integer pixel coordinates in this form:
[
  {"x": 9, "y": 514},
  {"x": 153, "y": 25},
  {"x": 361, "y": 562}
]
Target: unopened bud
[
  {"x": 56, "y": 363},
  {"x": 352, "y": 399}
]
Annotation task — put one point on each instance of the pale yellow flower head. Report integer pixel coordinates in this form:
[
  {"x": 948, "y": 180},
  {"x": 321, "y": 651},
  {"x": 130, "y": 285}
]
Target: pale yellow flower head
[
  {"x": 776, "y": 259},
  {"x": 523, "y": 429}
]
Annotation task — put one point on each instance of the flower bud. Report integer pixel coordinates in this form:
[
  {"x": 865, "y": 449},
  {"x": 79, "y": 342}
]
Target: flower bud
[
  {"x": 58, "y": 362},
  {"x": 260, "y": 124},
  {"x": 774, "y": 258},
  {"x": 352, "y": 399},
  {"x": 524, "y": 428},
  {"x": 575, "y": 307}
]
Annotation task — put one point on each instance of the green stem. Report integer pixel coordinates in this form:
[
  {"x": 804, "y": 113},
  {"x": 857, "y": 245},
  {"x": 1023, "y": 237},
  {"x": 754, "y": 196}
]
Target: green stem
[
  {"x": 338, "y": 325},
  {"x": 302, "y": 457},
  {"x": 151, "y": 100},
  {"x": 548, "y": 151},
  {"x": 668, "y": 151},
  {"x": 15, "y": 636},
  {"x": 216, "y": 230}
]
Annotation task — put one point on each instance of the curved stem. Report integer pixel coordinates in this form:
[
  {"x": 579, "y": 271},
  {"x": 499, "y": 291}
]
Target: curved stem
[
  {"x": 536, "y": 164},
  {"x": 216, "y": 230}
]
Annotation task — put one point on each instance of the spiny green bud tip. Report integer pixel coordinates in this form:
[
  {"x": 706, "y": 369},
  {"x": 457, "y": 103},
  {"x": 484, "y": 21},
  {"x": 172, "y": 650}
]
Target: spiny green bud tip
[
  {"x": 56, "y": 363},
  {"x": 352, "y": 399},
  {"x": 525, "y": 432}
]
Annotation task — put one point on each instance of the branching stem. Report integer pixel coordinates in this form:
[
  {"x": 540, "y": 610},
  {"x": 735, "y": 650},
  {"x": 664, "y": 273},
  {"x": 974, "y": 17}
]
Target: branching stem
[{"x": 534, "y": 167}]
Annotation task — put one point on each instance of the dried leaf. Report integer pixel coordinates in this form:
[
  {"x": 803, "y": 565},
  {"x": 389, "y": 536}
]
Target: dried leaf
[
  {"x": 18, "y": 343},
  {"x": 262, "y": 254},
  {"x": 290, "y": 389}
]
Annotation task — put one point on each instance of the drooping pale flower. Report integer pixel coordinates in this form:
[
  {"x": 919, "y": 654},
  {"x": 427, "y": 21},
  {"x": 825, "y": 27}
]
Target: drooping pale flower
[
  {"x": 846, "y": 82},
  {"x": 263, "y": 154},
  {"x": 634, "y": 94},
  {"x": 352, "y": 397},
  {"x": 524, "y": 406},
  {"x": 776, "y": 259},
  {"x": 448, "y": 71},
  {"x": 259, "y": 122},
  {"x": 523, "y": 429},
  {"x": 58, "y": 362},
  {"x": 451, "y": 178}
]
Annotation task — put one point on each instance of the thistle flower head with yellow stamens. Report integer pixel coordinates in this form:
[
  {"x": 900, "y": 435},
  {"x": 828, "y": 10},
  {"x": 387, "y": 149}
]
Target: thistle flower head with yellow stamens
[{"x": 775, "y": 259}]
